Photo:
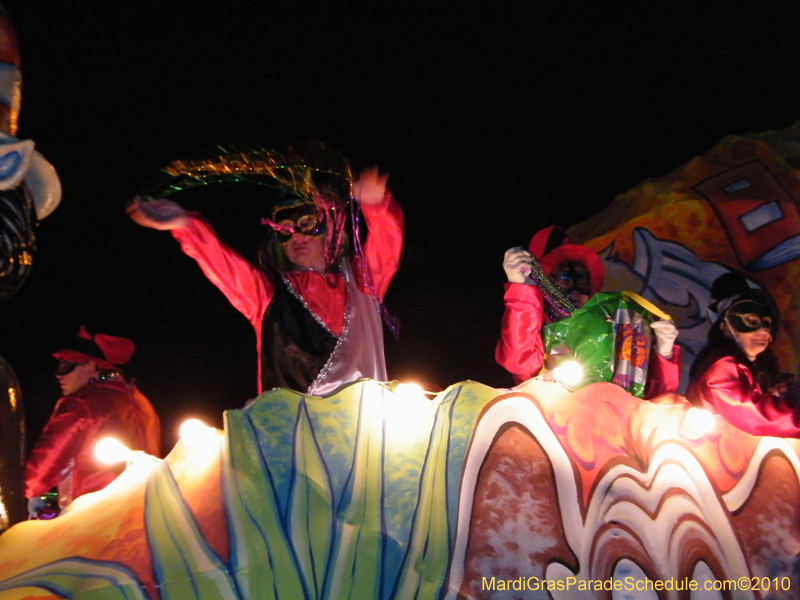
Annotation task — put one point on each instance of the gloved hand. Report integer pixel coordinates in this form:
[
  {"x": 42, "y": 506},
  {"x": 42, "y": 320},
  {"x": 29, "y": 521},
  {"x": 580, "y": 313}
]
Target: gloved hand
[
  {"x": 666, "y": 332},
  {"x": 517, "y": 265},
  {"x": 161, "y": 214}
]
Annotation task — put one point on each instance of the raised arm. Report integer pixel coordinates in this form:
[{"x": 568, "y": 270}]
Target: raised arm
[
  {"x": 520, "y": 350},
  {"x": 245, "y": 286},
  {"x": 385, "y": 228}
]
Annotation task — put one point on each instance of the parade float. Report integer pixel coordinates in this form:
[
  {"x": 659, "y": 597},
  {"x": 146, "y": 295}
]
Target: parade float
[
  {"x": 369, "y": 493},
  {"x": 540, "y": 491}
]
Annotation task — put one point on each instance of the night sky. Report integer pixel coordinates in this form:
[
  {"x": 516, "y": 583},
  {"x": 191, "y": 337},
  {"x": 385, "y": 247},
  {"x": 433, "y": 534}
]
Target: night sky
[{"x": 493, "y": 122}]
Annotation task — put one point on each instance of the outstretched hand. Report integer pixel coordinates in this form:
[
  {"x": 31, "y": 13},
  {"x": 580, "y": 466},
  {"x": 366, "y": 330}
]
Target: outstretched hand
[
  {"x": 370, "y": 186},
  {"x": 517, "y": 265},
  {"x": 159, "y": 214}
]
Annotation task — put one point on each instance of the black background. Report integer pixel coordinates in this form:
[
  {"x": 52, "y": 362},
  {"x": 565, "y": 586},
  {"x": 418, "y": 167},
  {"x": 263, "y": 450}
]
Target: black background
[{"x": 493, "y": 120}]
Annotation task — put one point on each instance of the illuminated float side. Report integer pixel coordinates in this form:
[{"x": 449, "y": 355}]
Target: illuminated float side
[{"x": 307, "y": 497}]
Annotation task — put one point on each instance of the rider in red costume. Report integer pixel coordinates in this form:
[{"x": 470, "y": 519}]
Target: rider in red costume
[
  {"x": 316, "y": 318},
  {"x": 579, "y": 273},
  {"x": 97, "y": 402},
  {"x": 737, "y": 374}
]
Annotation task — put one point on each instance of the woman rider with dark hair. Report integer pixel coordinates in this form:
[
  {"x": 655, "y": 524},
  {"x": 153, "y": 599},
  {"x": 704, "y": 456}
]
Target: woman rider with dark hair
[{"x": 737, "y": 374}]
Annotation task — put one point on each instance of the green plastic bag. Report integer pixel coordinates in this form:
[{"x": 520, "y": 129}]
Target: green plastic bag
[{"x": 609, "y": 336}]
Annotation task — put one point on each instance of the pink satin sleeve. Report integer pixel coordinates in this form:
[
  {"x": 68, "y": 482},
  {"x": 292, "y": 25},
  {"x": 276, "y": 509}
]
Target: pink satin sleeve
[
  {"x": 729, "y": 389},
  {"x": 61, "y": 440},
  {"x": 520, "y": 350},
  {"x": 384, "y": 241},
  {"x": 663, "y": 374},
  {"x": 245, "y": 286}
]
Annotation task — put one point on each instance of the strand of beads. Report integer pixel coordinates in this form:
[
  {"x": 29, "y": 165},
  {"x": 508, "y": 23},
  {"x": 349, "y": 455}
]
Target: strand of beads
[{"x": 558, "y": 304}]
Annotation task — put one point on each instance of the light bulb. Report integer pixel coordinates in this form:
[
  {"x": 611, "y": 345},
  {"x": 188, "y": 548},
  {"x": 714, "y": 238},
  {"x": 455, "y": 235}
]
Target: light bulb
[
  {"x": 569, "y": 373},
  {"x": 195, "y": 431},
  {"x": 110, "y": 450}
]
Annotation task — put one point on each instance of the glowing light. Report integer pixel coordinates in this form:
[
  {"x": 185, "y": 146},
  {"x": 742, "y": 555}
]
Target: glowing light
[
  {"x": 4, "y": 520},
  {"x": 110, "y": 450},
  {"x": 409, "y": 392},
  {"x": 407, "y": 413},
  {"x": 195, "y": 431},
  {"x": 697, "y": 423},
  {"x": 569, "y": 373}
]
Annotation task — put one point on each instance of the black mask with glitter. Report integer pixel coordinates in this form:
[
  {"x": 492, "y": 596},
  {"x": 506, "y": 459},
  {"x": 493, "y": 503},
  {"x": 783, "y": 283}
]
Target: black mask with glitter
[{"x": 746, "y": 316}]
